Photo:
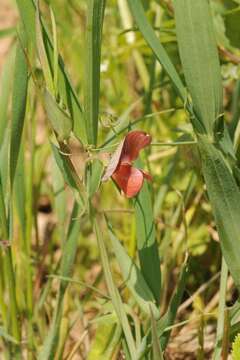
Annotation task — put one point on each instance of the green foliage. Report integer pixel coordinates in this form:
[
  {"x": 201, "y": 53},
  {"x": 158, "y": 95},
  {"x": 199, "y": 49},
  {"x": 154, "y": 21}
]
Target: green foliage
[
  {"x": 114, "y": 294},
  {"x": 107, "y": 338},
  {"x": 95, "y": 15},
  {"x": 67, "y": 261},
  {"x": 236, "y": 348},
  {"x": 19, "y": 99},
  {"x": 60, "y": 121},
  {"x": 133, "y": 277},
  {"x": 74, "y": 285},
  {"x": 201, "y": 69},
  {"x": 225, "y": 200},
  {"x": 146, "y": 242}
]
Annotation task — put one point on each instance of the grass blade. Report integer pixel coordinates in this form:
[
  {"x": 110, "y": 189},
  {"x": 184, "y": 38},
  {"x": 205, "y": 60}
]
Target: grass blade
[
  {"x": 27, "y": 9},
  {"x": 10, "y": 276},
  {"x": 107, "y": 339},
  {"x": 157, "y": 350},
  {"x": 60, "y": 198},
  {"x": 195, "y": 35},
  {"x": 94, "y": 171},
  {"x": 146, "y": 242},
  {"x": 19, "y": 99},
  {"x": 19, "y": 191},
  {"x": 47, "y": 73},
  {"x": 7, "y": 337},
  {"x": 114, "y": 294},
  {"x": 221, "y": 311},
  {"x": 133, "y": 277},
  {"x": 224, "y": 196},
  {"x": 154, "y": 43},
  {"x": 59, "y": 119},
  {"x": 67, "y": 261},
  {"x": 95, "y": 14},
  {"x": 6, "y": 81},
  {"x": 168, "y": 318},
  {"x": 66, "y": 167},
  {"x": 27, "y": 13}
]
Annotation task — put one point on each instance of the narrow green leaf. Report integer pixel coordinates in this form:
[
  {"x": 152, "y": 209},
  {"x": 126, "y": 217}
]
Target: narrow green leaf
[
  {"x": 67, "y": 261},
  {"x": 235, "y": 110},
  {"x": 3, "y": 215},
  {"x": 27, "y": 9},
  {"x": 95, "y": 14},
  {"x": 114, "y": 294},
  {"x": 146, "y": 242},
  {"x": 7, "y": 337},
  {"x": 165, "y": 185},
  {"x": 55, "y": 52},
  {"x": 83, "y": 284},
  {"x": 168, "y": 318},
  {"x": 133, "y": 277},
  {"x": 234, "y": 312},
  {"x": 157, "y": 350},
  {"x": 96, "y": 170},
  {"x": 4, "y": 164},
  {"x": 6, "y": 81},
  {"x": 43, "y": 55},
  {"x": 105, "y": 342},
  {"x": 27, "y": 13},
  {"x": 19, "y": 99},
  {"x": 221, "y": 311},
  {"x": 10, "y": 31},
  {"x": 224, "y": 196},
  {"x": 66, "y": 167},
  {"x": 59, "y": 119},
  {"x": 19, "y": 190},
  {"x": 154, "y": 43},
  {"x": 60, "y": 198},
  {"x": 66, "y": 90},
  {"x": 199, "y": 56}
]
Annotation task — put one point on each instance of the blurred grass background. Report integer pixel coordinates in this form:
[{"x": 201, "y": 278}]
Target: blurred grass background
[{"x": 132, "y": 85}]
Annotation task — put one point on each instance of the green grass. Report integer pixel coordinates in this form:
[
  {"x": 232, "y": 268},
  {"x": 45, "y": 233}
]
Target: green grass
[{"x": 85, "y": 272}]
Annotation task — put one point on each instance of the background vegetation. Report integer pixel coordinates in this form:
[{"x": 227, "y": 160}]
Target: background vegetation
[{"x": 86, "y": 273}]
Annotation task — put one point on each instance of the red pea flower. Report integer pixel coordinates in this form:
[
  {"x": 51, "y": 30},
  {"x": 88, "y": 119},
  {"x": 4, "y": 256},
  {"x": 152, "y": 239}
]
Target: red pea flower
[{"x": 128, "y": 178}]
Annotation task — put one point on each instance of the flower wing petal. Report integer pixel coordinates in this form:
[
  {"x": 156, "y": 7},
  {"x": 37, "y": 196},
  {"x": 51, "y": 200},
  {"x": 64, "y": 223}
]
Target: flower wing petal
[
  {"x": 114, "y": 161},
  {"x": 128, "y": 179}
]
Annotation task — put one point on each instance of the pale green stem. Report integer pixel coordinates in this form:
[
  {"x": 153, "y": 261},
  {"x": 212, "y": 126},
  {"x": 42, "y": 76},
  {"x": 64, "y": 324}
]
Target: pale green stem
[{"x": 221, "y": 308}]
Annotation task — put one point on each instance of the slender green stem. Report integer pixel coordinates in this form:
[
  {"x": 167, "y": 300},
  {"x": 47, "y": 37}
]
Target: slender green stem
[
  {"x": 95, "y": 14},
  {"x": 9, "y": 274},
  {"x": 174, "y": 143},
  {"x": 221, "y": 308},
  {"x": 226, "y": 333},
  {"x": 3, "y": 308},
  {"x": 28, "y": 239},
  {"x": 232, "y": 11},
  {"x": 2, "y": 303},
  {"x": 142, "y": 118},
  {"x": 12, "y": 294}
]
